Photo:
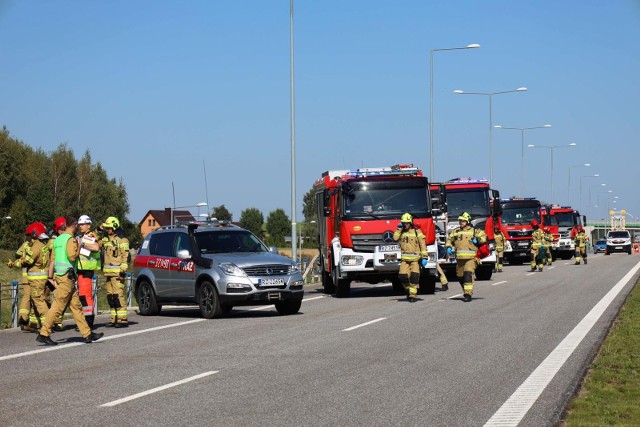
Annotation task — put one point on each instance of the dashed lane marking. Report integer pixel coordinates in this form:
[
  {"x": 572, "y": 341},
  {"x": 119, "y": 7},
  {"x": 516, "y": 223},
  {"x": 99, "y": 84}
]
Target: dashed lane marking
[
  {"x": 364, "y": 324},
  {"x": 517, "y": 406},
  {"x": 499, "y": 283}
]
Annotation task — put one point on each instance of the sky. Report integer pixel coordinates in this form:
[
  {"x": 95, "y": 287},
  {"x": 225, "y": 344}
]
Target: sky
[{"x": 160, "y": 91}]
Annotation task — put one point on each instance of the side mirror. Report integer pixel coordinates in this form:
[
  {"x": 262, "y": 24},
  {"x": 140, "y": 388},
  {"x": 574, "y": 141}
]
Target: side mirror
[
  {"x": 327, "y": 212},
  {"x": 584, "y": 219},
  {"x": 184, "y": 254},
  {"x": 273, "y": 249}
]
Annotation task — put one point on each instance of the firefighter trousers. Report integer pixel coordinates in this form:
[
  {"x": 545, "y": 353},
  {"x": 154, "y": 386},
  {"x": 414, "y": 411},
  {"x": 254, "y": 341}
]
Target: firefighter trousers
[
  {"x": 581, "y": 252},
  {"x": 65, "y": 294},
  {"x": 536, "y": 258},
  {"x": 115, "y": 297},
  {"x": 24, "y": 309},
  {"x": 409, "y": 276},
  {"x": 499, "y": 259},
  {"x": 465, "y": 268},
  {"x": 443, "y": 277},
  {"x": 39, "y": 301}
]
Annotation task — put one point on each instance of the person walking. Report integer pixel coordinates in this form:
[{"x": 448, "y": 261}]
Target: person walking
[
  {"x": 116, "y": 253},
  {"x": 501, "y": 241},
  {"x": 59, "y": 225},
  {"x": 465, "y": 241},
  {"x": 88, "y": 264},
  {"x": 66, "y": 251},
  {"x": 25, "y": 312},
  {"x": 548, "y": 241},
  {"x": 537, "y": 246},
  {"x": 412, "y": 247},
  {"x": 581, "y": 240},
  {"x": 36, "y": 260}
]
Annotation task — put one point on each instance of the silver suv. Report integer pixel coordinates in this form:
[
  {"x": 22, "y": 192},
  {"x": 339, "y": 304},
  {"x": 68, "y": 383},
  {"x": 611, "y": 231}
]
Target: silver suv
[
  {"x": 217, "y": 266},
  {"x": 618, "y": 241}
]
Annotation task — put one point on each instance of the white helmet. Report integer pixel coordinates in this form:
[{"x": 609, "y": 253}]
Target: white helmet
[{"x": 84, "y": 219}]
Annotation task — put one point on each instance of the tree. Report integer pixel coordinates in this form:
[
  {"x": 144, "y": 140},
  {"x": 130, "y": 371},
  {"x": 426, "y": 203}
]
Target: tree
[
  {"x": 252, "y": 220},
  {"x": 310, "y": 206},
  {"x": 278, "y": 226},
  {"x": 221, "y": 213}
]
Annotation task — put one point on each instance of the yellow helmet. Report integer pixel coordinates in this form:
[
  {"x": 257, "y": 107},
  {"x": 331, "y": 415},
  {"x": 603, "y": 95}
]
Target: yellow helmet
[
  {"x": 406, "y": 218},
  {"x": 111, "y": 222},
  {"x": 465, "y": 217}
]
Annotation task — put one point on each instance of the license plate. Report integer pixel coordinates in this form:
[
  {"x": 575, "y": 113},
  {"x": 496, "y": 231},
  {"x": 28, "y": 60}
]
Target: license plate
[
  {"x": 389, "y": 248},
  {"x": 618, "y": 247},
  {"x": 523, "y": 244},
  {"x": 270, "y": 282},
  {"x": 390, "y": 257}
]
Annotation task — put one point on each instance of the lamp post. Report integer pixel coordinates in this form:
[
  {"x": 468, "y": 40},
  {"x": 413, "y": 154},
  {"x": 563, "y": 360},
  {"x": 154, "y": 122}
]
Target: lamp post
[
  {"x": 590, "y": 187},
  {"x": 490, "y": 96},
  {"x": 569, "y": 187},
  {"x": 431, "y": 161},
  {"x": 552, "y": 148},
  {"x": 586, "y": 176},
  {"x": 197, "y": 205},
  {"x": 598, "y": 193},
  {"x": 522, "y": 149},
  {"x": 292, "y": 108}
]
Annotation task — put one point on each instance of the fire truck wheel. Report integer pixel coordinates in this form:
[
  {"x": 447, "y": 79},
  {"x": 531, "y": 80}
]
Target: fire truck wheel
[
  {"x": 342, "y": 286},
  {"x": 209, "y": 301},
  {"x": 427, "y": 284},
  {"x": 398, "y": 289},
  {"x": 288, "y": 307}
]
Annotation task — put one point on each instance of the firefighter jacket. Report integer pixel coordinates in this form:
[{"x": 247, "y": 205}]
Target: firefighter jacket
[
  {"x": 36, "y": 260},
  {"x": 116, "y": 254},
  {"x": 17, "y": 262},
  {"x": 581, "y": 239},
  {"x": 91, "y": 261},
  {"x": 548, "y": 239},
  {"x": 461, "y": 239},
  {"x": 500, "y": 239},
  {"x": 537, "y": 238},
  {"x": 412, "y": 243}
]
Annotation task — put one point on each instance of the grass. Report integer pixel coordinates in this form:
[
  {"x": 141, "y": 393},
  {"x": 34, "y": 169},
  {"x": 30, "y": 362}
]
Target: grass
[{"x": 610, "y": 392}]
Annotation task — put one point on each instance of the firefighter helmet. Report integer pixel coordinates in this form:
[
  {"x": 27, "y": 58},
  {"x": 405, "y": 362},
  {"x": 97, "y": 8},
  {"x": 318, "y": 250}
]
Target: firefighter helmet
[
  {"x": 534, "y": 222},
  {"x": 59, "y": 223},
  {"x": 37, "y": 230},
  {"x": 406, "y": 218},
  {"x": 84, "y": 219},
  {"x": 465, "y": 217},
  {"x": 111, "y": 222}
]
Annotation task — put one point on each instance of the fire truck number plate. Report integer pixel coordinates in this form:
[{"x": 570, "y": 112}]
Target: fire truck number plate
[
  {"x": 270, "y": 282},
  {"x": 389, "y": 248}
]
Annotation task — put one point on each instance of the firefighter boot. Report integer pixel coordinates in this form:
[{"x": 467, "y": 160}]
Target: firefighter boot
[
  {"x": 45, "y": 340},
  {"x": 445, "y": 287},
  {"x": 467, "y": 297},
  {"x": 93, "y": 336}
]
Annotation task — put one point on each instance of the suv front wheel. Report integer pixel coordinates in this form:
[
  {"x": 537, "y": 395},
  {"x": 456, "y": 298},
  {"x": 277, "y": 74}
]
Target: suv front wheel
[
  {"x": 290, "y": 306},
  {"x": 209, "y": 301},
  {"x": 147, "y": 302}
]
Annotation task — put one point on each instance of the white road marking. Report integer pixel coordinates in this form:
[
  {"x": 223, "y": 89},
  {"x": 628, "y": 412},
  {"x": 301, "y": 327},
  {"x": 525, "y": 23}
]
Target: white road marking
[
  {"x": 517, "y": 406},
  {"x": 268, "y": 307},
  {"x": 157, "y": 389},
  {"x": 567, "y": 263},
  {"x": 550, "y": 268},
  {"x": 110, "y": 337},
  {"x": 529, "y": 274},
  {"x": 364, "y": 324},
  {"x": 454, "y": 296},
  {"x": 499, "y": 283}
]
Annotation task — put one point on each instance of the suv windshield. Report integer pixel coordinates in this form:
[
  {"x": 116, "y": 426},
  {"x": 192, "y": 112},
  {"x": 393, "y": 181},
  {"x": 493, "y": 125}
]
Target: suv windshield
[
  {"x": 618, "y": 235},
  {"x": 475, "y": 202},
  {"x": 215, "y": 242},
  {"x": 375, "y": 199}
]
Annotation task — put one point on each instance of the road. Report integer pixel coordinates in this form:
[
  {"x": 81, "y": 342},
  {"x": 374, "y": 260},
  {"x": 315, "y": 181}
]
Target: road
[{"x": 373, "y": 359}]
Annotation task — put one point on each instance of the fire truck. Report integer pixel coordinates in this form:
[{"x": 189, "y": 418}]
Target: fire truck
[
  {"x": 358, "y": 212},
  {"x": 517, "y": 214},
  {"x": 561, "y": 220},
  {"x": 476, "y": 197}
]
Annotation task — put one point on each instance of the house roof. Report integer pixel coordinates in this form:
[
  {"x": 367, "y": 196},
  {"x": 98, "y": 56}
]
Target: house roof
[{"x": 163, "y": 217}]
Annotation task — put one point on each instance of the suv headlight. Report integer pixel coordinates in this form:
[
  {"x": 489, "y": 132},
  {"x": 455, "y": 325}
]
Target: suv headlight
[
  {"x": 294, "y": 269},
  {"x": 230, "y": 269}
]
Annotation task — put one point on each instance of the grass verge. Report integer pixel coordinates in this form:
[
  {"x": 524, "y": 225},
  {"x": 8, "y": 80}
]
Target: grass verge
[{"x": 610, "y": 392}]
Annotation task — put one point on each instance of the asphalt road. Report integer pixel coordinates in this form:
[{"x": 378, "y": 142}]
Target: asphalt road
[{"x": 515, "y": 353}]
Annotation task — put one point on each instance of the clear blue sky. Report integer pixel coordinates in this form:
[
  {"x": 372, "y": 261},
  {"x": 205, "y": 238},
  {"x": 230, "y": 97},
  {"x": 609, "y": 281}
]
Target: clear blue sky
[{"x": 153, "y": 88}]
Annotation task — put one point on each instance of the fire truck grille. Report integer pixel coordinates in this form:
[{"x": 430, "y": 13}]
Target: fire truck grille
[
  {"x": 367, "y": 242},
  {"x": 267, "y": 270}
]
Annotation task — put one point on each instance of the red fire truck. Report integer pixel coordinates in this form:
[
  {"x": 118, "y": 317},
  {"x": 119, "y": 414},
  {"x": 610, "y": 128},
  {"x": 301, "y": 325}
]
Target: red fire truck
[
  {"x": 476, "y": 197},
  {"x": 517, "y": 214},
  {"x": 561, "y": 220},
  {"x": 358, "y": 211}
]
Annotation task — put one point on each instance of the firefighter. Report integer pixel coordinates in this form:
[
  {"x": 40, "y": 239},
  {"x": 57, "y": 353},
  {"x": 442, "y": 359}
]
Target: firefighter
[
  {"x": 538, "y": 248},
  {"x": 581, "y": 241},
  {"x": 88, "y": 264},
  {"x": 465, "y": 240},
  {"x": 59, "y": 226},
  {"x": 548, "y": 238},
  {"x": 413, "y": 247},
  {"x": 444, "y": 282},
  {"x": 24, "y": 310},
  {"x": 501, "y": 240},
  {"x": 116, "y": 253},
  {"x": 66, "y": 251},
  {"x": 36, "y": 260}
]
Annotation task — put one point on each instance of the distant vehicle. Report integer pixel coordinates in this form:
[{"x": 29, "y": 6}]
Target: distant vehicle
[
  {"x": 517, "y": 214},
  {"x": 215, "y": 265},
  {"x": 600, "y": 246},
  {"x": 618, "y": 241}
]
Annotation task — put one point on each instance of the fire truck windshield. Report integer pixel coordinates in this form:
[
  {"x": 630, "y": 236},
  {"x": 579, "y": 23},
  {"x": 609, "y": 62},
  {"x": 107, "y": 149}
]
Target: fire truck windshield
[
  {"x": 513, "y": 213},
  {"x": 476, "y": 202},
  {"x": 563, "y": 219},
  {"x": 385, "y": 199}
]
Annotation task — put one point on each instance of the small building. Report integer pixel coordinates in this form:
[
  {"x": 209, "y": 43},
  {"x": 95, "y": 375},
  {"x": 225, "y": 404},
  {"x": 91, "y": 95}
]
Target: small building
[{"x": 155, "y": 219}]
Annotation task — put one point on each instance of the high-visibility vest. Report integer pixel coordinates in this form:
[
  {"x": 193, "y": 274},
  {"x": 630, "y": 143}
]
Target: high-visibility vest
[
  {"x": 91, "y": 262},
  {"x": 62, "y": 263}
]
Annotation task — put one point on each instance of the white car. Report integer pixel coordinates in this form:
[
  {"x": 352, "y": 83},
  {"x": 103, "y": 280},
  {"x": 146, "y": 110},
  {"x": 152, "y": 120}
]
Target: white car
[{"x": 618, "y": 241}]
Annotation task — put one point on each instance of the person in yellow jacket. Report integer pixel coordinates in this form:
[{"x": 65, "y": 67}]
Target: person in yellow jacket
[
  {"x": 66, "y": 251},
  {"x": 548, "y": 239},
  {"x": 465, "y": 240},
  {"x": 500, "y": 241},
  {"x": 412, "y": 247},
  {"x": 581, "y": 240},
  {"x": 116, "y": 254},
  {"x": 537, "y": 243},
  {"x": 36, "y": 260},
  {"x": 88, "y": 264},
  {"x": 24, "y": 308}
]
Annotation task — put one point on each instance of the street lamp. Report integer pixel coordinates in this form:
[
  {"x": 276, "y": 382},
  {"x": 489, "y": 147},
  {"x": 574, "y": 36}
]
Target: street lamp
[
  {"x": 586, "y": 176},
  {"x": 522, "y": 150},
  {"x": 431, "y": 161},
  {"x": 197, "y": 205},
  {"x": 590, "y": 187},
  {"x": 569, "y": 187},
  {"x": 490, "y": 95},
  {"x": 552, "y": 148}
]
